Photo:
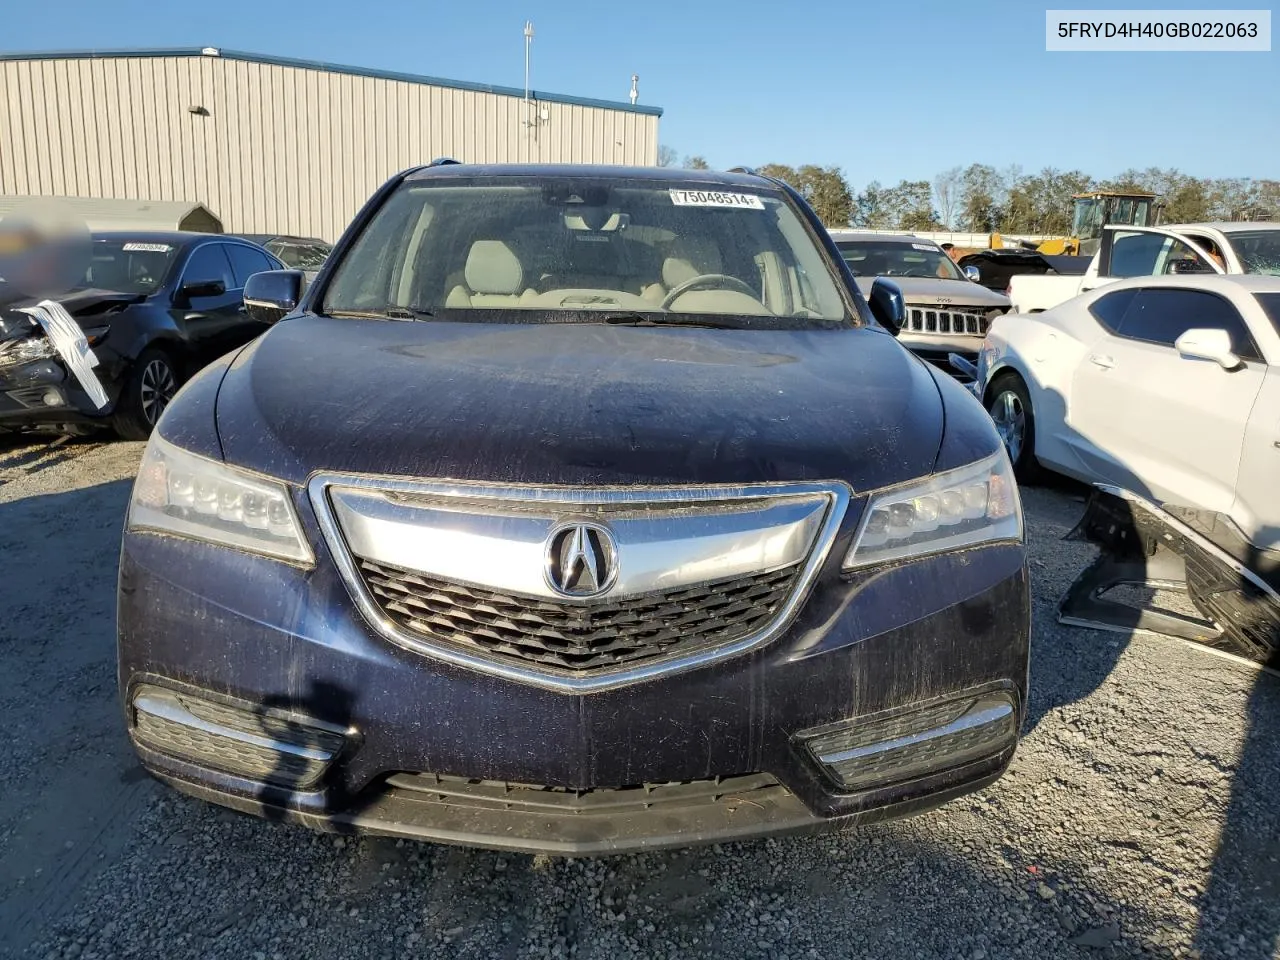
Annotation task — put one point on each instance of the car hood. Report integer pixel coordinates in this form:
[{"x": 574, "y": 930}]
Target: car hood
[
  {"x": 929, "y": 291},
  {"x": 88, "y": 307},
  {"x": 582, "y": 404}
]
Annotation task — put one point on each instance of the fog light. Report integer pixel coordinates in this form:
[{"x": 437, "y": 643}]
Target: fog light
[
  {"x": 266, "y": 745},
  {"x": 882, "y": 751},
  {"x": 52, "y": 398}
]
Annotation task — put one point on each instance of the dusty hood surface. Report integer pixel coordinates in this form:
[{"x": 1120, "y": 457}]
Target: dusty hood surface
[
  {"x": 928, "y": 291},
  {"x": 579, "y": 404}
]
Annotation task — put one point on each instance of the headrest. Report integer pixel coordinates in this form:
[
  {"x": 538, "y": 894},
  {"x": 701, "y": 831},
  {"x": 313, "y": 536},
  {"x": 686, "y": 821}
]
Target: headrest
[
  {"x": 493, "y": 268},
  {"x": 690, "y": 258}
]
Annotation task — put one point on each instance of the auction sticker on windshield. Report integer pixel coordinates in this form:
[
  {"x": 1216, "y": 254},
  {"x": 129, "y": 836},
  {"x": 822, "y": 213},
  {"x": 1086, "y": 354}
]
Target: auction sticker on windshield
[
  {"x": 711, "y": 198},
  {"x": 146, "y": 248}
]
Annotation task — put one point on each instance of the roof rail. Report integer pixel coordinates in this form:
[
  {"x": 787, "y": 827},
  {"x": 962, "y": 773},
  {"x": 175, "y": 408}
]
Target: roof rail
[
  {"x": 443, "y": 162},
  {"x": 750, "y": 170}
]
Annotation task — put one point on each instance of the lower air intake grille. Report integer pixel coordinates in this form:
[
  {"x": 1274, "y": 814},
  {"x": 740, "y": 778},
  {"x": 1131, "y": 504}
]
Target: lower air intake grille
[
  {"x": 579, "y": 637},
  {"x": 496, "y": 794}
]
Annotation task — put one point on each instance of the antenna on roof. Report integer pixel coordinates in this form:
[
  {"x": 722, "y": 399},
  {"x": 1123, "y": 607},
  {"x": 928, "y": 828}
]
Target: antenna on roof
[
  {"x": 528, "y": 44},
  {"x": 635, "y": 87}
]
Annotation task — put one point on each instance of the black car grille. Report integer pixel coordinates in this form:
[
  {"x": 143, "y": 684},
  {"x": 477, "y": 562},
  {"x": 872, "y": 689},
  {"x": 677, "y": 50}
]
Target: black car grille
[
  {"x": 579, "y": 637},
  {"x": 947, "y": 320}
]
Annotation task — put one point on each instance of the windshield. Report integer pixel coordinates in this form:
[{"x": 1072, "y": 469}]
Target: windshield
[
  {"x": 300, "y": 256},
  {"x": 872, "y": 258},
  {"x": 129, "y": 266},
  {"x": 1086, "y": 222},
  {"x": 1258, "y": 250},
  {"x": 567, "y": 249}
]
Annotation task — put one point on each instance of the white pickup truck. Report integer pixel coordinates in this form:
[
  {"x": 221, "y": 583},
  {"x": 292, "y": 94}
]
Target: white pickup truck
[{"x": 1155, "y": 251}]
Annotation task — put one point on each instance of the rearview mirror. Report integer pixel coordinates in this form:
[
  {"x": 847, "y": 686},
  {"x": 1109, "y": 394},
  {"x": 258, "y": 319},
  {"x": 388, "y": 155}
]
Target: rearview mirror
[
  {"x": 887, "y": 305},
  {"x": 270, "y": 295},
  {"x": 203, "y": 288},
  {"x": 973, "y": 273},
  {"x": 1208, "y": 344}
]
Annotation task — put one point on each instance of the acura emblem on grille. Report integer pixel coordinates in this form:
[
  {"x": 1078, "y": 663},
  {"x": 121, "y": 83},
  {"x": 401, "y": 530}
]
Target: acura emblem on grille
[{"x": 581, "y": 560}]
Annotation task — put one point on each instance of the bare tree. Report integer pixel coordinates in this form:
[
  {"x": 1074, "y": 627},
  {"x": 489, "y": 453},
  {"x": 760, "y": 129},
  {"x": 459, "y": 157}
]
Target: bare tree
[
  {"x": 946, "y": 195},
  {"x": 696, "y": 163},
  {"x": 667, "y": 156}
]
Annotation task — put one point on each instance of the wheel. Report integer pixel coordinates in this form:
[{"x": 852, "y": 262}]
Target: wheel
[
  {"x": 1010, "y": 407},
  {"x": 150, "y": 385}
]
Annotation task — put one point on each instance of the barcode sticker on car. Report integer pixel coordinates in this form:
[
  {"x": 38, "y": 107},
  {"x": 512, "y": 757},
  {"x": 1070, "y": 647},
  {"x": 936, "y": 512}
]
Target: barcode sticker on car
[
  {"x": 712, "y": 198},
  {"x": 146, "y": 248},
  {"x": 921, "y": 246}
]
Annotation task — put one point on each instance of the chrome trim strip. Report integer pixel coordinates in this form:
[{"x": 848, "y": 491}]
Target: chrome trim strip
[
  {"x": 836, "y": 496},
  {"x": 167, "y": 706},
  {"x": 970, "y": 720},
  {"x": 658, "y": 548}
]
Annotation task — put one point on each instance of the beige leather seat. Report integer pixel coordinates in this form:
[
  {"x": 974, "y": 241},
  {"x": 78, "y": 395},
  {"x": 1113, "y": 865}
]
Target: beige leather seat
[
  {"x": 492, "y": 277},
  {"x": 689, "y": 258}
]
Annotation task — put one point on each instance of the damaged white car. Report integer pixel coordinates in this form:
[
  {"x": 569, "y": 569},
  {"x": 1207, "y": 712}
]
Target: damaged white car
[{"x": 1164, "y": 394}]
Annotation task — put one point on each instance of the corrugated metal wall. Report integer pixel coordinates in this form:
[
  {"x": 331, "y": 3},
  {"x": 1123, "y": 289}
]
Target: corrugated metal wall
[{"x": 283, "y": 149}]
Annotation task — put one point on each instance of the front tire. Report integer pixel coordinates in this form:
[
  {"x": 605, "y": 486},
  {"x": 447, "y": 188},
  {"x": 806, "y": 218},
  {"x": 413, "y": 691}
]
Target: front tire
[
  {"x": 1009, "y": 404},
  {"x": 151, "y": 383}
]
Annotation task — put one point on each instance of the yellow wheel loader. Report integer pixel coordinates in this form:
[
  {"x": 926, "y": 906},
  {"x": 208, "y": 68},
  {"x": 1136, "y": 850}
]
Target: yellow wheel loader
[{"x": 1093, "y": 211}]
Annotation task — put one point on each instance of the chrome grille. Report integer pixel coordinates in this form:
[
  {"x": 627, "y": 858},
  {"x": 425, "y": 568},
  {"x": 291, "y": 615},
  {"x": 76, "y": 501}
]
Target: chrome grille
[
  {"x": 946, "y": 320},
  {"x": 579, "y": 638},
  {"x": 458, "y": 571}
]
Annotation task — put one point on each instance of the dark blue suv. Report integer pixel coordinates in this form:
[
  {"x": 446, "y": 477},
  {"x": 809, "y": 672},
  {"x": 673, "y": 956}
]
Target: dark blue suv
[{"x": 578, "y": 510}]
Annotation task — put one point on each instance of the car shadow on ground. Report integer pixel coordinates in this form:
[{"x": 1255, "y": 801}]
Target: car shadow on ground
[
  {"x": 69, "y": 786},
  {"x": 25, "y": 455},
  {"x": 1078, "y": 661},
  {"x": 1240, "y": 909},
  {"x": 1238, "y": 913}
]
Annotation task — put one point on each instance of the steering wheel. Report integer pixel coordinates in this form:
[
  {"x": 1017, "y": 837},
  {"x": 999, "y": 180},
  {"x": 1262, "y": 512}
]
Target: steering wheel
[{"x": 717, "y": 280}]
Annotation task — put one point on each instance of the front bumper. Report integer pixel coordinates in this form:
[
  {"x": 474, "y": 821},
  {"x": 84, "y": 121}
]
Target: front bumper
[
  {"x": 42, "y": 393},
  {"x": 435, "y": 751},
  {"x": 936, "y": 350}
]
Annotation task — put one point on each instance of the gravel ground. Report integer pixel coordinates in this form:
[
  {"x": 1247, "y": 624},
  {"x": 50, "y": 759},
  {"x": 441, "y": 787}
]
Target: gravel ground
[{"x": 1141, "y": 817}]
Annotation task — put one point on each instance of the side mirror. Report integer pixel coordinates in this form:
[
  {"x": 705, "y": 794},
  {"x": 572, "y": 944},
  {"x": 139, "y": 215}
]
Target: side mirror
[
  {"x": 1186, "y": 265},
  {"x": 973, "y": 273},
  {"x": 887, "y": 305},
  {"x": 203, "y": 288},
  {"x": 1208, "y": 344},
  {"x": 269, "y": 296}
]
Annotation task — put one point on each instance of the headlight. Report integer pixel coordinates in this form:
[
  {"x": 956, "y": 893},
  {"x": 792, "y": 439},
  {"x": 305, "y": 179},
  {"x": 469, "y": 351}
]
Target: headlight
[
  {"x": 960, "y": 508},
  {"x": 13, "y": 352},
  {"x": 189, "y": 496}
]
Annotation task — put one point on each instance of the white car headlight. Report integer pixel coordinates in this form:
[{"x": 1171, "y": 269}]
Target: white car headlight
[
  {"x": 185, "y": 495},
  {"x": 975, "y": 504}
]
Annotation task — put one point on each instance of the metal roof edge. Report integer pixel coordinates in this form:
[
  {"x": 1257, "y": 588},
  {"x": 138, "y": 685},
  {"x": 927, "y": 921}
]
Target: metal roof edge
[{"x": 331, "y": 68}]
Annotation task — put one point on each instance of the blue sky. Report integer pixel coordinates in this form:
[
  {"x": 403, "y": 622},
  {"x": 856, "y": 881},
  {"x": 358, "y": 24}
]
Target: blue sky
[{"x": 884, "y": 91}]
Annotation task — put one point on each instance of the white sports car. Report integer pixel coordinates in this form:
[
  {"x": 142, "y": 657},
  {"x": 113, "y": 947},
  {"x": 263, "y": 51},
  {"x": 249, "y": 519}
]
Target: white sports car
[{"x": 1165, "y": 393}]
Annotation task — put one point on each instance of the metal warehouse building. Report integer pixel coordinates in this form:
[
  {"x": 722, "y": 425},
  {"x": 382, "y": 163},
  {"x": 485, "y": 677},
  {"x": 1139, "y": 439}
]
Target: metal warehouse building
[{"x": 273, "y": 145}]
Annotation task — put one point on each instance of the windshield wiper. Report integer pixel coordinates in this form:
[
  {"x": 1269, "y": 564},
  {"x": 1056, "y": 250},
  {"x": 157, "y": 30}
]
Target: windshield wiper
[
  {"x": 397, "y": 312},
  {"x": 666, "y": 320},
  {"x": 390, "y": 313}
]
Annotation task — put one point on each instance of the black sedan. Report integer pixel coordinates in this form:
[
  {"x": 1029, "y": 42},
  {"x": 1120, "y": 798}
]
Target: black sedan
[
  {"x": 149, "y": 310},
  {"x": 576, "y": 510}
]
